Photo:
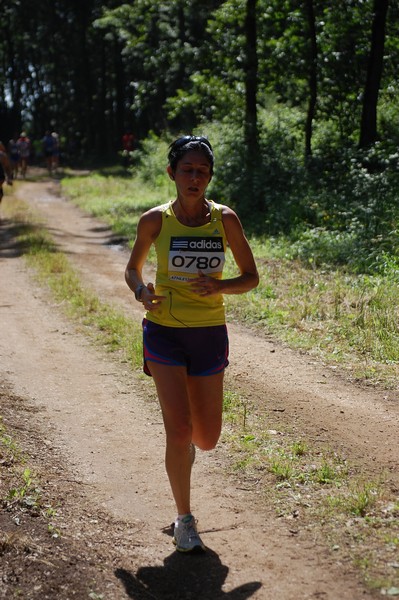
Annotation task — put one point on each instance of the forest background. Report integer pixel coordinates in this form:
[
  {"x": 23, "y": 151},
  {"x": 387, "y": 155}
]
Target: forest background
[{"x": 299, "y": 99}]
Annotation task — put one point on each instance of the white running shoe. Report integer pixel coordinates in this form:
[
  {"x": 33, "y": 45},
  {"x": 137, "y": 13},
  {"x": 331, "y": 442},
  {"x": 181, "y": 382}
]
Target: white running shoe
[{"x": 185, "y": 536}]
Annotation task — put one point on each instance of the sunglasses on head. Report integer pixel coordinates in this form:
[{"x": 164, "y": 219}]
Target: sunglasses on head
[{"x": 186, "y": 139}]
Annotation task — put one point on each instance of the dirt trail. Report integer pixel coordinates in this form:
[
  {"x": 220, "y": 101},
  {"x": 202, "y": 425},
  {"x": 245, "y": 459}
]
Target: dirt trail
[{"x": 95, "y": 412}]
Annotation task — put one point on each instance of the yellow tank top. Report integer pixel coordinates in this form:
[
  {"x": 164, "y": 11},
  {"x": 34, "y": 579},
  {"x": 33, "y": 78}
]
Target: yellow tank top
[{"x": 181, "y": 252}]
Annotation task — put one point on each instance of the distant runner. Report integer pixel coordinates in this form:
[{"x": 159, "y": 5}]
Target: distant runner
[
  {"x": 13, "y": 153},
  {"x": 24, "y": 149},
  {"x": 48, "y": 143},
  {"x": 127, "y": 147}
]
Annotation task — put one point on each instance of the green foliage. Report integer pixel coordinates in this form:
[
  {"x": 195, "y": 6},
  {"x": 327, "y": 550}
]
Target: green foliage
[
  {"x": 359, "y": 500},
  {"x": 9, "y": 451},
  {"x": 153, "y": 161},
  {"x": 234, "y": 408},
  {"x": 326, "y": 473},
  {"x": 278, "y": 176},
  {"x": 352, "y": 209},
  {"x": 282, "y": 469},
  {"x": 209, "y": 97},
  {"x": 156, "y": 65},
  {"x": 299, "y": 448},
  {"x": 164, "y": 43},
  {"x": 283, "y": 50},
  {"x": 344, "y": 47},
  {"x": 27, "y": 494}
]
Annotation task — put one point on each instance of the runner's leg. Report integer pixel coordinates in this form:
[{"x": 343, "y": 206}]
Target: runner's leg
[
  {"x": 206, "y": 406},
  {"x": 171, "y": 384}
]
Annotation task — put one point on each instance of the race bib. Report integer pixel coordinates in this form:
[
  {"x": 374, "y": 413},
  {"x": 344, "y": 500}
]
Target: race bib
[{"x": 188, "y": 255}]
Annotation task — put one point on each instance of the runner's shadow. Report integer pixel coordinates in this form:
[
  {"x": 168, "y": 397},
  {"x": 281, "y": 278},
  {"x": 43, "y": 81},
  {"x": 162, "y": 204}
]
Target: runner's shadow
[{"x": 199, "y": 576}]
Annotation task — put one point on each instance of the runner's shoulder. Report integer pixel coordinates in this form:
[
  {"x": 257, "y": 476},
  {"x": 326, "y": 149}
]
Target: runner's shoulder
[{"x": 151, "y": 220}]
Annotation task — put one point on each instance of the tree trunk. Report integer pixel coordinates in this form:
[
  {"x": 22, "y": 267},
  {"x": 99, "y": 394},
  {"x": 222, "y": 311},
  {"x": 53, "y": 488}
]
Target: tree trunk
[
  {"x": 368, "y": 126},
  {"x": 251, "y": 78},
  {"x": 309, "y": 9},
  {"x": 251, "y": 92}
]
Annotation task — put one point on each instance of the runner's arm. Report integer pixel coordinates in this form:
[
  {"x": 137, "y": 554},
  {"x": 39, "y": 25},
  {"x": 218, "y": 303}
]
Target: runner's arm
[
  {"x": 147, "y": 231},
  {"x": 248, "y": 279}
]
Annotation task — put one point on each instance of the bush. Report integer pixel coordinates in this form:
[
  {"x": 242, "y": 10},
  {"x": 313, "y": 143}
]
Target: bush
[
  {"x": 267, "y": 198},
  {"x": 152, "y": 160}
]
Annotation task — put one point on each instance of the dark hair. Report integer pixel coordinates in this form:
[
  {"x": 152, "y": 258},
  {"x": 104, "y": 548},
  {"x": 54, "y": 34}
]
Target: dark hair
[{"x": 186, "y": 143}]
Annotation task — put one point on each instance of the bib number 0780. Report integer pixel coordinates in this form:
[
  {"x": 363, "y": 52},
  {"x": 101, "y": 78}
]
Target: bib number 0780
[{"x": 190, "y": 263}]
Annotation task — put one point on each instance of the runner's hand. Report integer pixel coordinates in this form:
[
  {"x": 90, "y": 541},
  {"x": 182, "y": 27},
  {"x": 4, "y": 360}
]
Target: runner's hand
[
  {"x": 149, "y": 298},
  {"x": 204, "y": 285}
]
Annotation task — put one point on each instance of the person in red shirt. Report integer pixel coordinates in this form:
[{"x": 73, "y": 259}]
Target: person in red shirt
[{"x": 127, "y": 147}]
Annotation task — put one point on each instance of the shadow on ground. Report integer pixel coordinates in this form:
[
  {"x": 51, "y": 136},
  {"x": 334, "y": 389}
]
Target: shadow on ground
[
  {"x": 13, "y": 238},
  {"x": 184, "y": 577}
]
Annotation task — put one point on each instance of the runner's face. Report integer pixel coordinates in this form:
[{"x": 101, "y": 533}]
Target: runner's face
[{"x": 192, "y": 175}]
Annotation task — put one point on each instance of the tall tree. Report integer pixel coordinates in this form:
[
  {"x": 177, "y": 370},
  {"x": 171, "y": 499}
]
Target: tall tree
[
  {"x": 312, "y": 65},
  {"x": 251, "y": 135},
  {"x": 164, "y": 43},
  {"x": 251, "y": 79},
  {"x": 368, "y": 126}
]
